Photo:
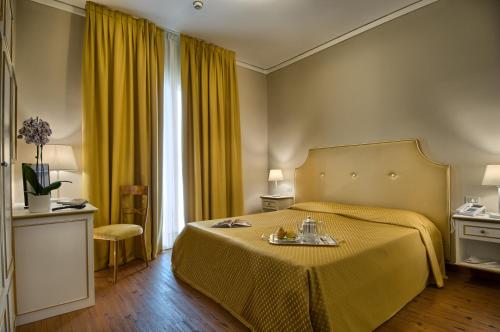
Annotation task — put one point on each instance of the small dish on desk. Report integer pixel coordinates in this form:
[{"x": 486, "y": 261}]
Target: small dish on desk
[{"x": 76, "y": 201}]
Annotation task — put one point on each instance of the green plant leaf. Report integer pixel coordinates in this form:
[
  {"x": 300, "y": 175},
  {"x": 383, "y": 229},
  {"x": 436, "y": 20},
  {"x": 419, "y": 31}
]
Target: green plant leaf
[
  {"x": 53, "y": 186},
  {"x": 32, "y": 179}
]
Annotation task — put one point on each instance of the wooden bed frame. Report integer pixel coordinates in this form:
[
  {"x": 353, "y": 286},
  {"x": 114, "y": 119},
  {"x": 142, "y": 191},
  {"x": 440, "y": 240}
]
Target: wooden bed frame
[{"x": 393, "y": 174}]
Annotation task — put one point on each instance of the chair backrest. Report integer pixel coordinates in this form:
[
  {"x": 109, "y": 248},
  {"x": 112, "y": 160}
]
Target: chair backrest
[{"x": 134, "y": 201}]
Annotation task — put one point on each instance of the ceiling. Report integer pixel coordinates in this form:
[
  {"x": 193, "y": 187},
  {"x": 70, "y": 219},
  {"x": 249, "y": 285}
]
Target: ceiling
[{"x": 263, "y": 33}]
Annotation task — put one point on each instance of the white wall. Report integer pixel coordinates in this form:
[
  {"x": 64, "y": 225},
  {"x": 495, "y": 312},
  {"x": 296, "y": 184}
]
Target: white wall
[
  {"x": 433, "y": 74},
  {"x": 48, "y": 68},
  {"x": 253, "y": 113}
]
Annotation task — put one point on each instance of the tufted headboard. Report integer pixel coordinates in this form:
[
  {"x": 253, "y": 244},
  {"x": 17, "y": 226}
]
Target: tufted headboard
[{"x": 387, "y": 174}]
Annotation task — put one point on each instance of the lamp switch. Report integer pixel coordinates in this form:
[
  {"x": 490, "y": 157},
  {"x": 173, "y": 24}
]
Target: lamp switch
[{"x": 472, "y": 199}]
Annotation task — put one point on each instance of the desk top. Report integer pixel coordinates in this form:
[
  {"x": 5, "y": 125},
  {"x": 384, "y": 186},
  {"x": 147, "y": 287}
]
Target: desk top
[{"x": 19, "y": 212}]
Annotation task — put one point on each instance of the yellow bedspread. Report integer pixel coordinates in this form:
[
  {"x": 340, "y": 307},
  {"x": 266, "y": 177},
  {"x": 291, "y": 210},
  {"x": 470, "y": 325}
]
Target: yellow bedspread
[{"x": 383, "y": 262}]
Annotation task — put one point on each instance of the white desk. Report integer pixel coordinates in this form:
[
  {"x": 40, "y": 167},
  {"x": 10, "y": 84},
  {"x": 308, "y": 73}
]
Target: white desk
[{"x": 54, "y": 257}]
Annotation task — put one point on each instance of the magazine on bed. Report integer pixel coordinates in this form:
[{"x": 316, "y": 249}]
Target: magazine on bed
[{"x": 230, "y": 223}]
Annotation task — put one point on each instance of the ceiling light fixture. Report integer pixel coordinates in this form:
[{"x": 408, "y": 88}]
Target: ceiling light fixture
[{"x": 198, "y": 4}]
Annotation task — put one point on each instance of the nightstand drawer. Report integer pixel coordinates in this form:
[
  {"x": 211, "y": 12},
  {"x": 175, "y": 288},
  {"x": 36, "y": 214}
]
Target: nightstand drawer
[
  {"x": 275, "y": 203},
  {"x": 269, "y": 204},
  {"x": 493, "y": 233}
]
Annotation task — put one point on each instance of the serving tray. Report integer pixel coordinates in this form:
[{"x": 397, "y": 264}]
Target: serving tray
[{"x": 321, "y": 241}]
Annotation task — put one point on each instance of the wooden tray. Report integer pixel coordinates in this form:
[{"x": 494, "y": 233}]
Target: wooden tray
[{"x": 323, "y": 241}]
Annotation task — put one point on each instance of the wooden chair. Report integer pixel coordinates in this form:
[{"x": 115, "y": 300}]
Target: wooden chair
[{"x": 134, "y": 203}]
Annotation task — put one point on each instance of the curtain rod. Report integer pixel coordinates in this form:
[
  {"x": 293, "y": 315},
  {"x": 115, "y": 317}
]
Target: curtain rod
[{"x": 81, "y": 10}]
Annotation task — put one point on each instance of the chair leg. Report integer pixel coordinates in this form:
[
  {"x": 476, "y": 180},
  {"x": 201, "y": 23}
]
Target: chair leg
[
  {"x": 144, "y": 250},
  {"x": 124, "y": 250},
  {"x": 115, "y": 265}
]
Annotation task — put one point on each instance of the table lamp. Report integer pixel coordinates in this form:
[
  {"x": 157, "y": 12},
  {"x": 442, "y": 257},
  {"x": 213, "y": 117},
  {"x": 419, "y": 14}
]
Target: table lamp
[
  {"x": 492, "y": 178},
  {"x": 59, "y": 158},
  {"x": 275, "y": 175}
]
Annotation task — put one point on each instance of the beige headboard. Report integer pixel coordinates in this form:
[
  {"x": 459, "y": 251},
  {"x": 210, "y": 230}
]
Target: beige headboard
[{"x": 388, "y": 174}]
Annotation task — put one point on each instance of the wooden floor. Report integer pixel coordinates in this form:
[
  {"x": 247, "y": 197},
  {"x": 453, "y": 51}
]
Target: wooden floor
[{"x": 151, "y": 299}]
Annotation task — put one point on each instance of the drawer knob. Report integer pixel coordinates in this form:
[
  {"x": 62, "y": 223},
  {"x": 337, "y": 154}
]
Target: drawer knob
[{"x": 482, "y": 231}]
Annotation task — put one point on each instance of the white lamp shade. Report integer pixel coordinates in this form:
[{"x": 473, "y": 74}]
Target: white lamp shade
[
  {"x": 59, "y": 157},
  {"x": 492, "y": 176},
  {"x": 275, "y": 175}
]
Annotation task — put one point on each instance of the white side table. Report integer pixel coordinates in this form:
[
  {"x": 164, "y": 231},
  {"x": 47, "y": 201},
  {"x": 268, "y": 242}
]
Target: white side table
[
  {"x": 477, "y": 242},
  {"x": 54, "y": 255}
]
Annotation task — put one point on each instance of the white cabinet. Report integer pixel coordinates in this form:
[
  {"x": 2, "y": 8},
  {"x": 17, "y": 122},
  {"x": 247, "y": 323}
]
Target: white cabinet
[
  {"x": 54, "y": 262},
  {"x": 477, "y": 242}
]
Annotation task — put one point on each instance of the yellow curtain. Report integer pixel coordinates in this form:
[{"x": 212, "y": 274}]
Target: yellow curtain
[
  {"x": 212, "y": 131},
  {"x": 122, "y": 93}
]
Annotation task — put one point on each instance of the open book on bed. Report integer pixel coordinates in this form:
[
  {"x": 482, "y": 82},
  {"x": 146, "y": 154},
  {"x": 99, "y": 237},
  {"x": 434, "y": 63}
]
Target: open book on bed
[{"x": 230, "y": 223}]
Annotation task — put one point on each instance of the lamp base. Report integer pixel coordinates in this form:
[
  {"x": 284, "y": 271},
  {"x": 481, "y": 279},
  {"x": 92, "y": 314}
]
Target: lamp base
[{"x": 276, "y": 192}]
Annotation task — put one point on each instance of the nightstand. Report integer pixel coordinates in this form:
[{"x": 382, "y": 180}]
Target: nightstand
[
  {"x": 275, "y": 203},
  {"x": 477, "y": 242}
]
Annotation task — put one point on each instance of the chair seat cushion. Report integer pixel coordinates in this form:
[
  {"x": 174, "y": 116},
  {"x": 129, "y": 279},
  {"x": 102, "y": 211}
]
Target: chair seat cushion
[{"x": 117, "y": 232}]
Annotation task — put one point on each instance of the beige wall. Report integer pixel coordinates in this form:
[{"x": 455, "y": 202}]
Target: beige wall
[
  {"x": 49, "y": 48},
  {"x": 48, "y": 68},
  {"x": 433, "y": 74},
  {"x": 253, "y": 113}
]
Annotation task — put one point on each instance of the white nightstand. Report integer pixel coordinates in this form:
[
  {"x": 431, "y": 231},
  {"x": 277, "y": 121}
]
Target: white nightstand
[
  {"x": 477, "y": 237},
  {"x": 275, "y": 203}
]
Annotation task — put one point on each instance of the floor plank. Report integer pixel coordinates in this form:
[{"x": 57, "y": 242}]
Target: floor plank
[{"x": 152, "y": 299}]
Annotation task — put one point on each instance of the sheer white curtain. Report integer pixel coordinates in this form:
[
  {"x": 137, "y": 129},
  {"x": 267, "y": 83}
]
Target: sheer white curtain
[{"x": 173, "y": 210}]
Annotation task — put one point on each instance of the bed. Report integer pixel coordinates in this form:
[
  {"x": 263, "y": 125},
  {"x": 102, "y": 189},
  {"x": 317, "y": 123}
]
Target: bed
[{"x": 386, "y": 202}]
